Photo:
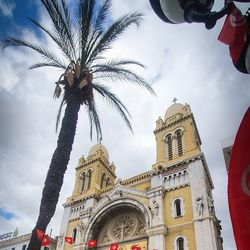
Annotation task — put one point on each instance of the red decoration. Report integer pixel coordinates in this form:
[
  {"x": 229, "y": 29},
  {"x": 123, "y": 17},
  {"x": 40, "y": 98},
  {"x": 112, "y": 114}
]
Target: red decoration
[
  {"x": 39, "y": 234},
  {"x": 135, "y": 248},
  {"x": 114, "y": 246},
  {"x": 92, "y": 243},
  {"x": 45, "y": 241},
  {"x": 239, "y": 184},
  {"x": 69, "y": 240},
  {"x": 234, "y": 32}
]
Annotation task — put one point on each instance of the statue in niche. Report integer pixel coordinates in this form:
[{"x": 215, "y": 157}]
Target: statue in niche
[
  {"x": 210, "y": 205},
  {"x": 60, "y": 240},
  {"x": 154, "y": 208},
  {"x": 199, "y": 205}
]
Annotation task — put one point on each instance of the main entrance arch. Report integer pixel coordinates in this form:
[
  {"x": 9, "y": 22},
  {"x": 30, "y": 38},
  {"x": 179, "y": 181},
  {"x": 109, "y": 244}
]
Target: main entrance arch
[{"x": 121, "y": 221}]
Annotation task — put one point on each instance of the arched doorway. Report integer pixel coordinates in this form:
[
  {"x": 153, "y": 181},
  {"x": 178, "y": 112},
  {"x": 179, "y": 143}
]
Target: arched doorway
[{"x": 123, "y": 223}]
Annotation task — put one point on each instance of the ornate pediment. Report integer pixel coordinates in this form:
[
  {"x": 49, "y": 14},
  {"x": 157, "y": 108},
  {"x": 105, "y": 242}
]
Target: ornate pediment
[{"x": 119, "y": 192}]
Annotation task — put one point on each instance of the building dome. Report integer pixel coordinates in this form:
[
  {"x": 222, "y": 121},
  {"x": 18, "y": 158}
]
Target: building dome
[
  {"x": 94, "y": 150},
  {"x": 173, "y": 110}
]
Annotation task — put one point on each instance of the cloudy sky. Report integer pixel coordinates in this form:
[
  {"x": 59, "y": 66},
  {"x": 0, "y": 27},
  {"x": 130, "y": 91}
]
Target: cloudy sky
[{"x": 184, "y": 61}]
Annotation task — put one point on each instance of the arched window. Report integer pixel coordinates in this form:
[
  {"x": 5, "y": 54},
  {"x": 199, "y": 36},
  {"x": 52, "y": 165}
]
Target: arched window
[
  {"x": 177, "y": 207},
  {"x": 83, "y": 180},
  {"x": 89, "y": 178},
  {"x": 179, "y": 142},
  {"x": 74, "y": 234},
  {"x": 108, "y": 182},
  {"x": 180, "y": 243},
  {"x": 169, "y": 146},
  {"x": 103, "y": 180}
]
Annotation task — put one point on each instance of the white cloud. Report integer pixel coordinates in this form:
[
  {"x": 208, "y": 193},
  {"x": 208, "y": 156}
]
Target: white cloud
[{"x": 7, "y": 8}]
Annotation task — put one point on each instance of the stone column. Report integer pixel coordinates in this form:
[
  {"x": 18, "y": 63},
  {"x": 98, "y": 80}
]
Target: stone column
[
  {"x": 203, "y": 221},
  {"x": 157, "y": 229}
]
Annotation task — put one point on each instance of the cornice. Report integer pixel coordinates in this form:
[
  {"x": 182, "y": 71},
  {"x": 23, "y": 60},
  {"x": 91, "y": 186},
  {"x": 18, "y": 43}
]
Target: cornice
[
  {"x": 171, "y": 124},
  {"x": 75, "y": 201}
]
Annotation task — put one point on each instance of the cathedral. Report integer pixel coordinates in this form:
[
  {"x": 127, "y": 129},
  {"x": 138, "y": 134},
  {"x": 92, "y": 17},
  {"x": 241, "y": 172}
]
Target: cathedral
[{"x": 169, "y": 207}]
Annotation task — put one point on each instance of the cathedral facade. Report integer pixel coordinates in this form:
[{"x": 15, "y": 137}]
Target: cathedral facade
[{"x": 169, "y": 207}]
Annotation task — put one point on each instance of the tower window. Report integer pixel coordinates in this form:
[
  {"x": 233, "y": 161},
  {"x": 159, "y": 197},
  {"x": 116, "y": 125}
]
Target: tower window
[
  {"x": 179, "y": 142},
  {"x": 180, "y": 243},
  {"x": 108, "y": 182},
  {"x": 74, "y": 234},
  {"x": 103, "y": 180},
  {"x": 177, "y": 207},
  {"x": 170, "y": 147},
  {"x": 83, "y": 179},
  {"x": 89, "y": 179}
]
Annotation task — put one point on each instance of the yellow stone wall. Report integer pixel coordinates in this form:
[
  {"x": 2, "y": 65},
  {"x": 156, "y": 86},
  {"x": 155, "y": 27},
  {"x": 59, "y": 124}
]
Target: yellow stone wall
[
  {"x": 185, "y": 194},
  {"x": 183, "y": 230},
  {"x": 71, "y": 226}
]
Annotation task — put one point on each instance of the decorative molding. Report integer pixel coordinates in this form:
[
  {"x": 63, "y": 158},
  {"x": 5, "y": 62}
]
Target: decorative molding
[{"x": 155, "y": 230}]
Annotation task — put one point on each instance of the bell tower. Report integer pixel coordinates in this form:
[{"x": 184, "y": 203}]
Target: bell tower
[
  {"x": 177, "y": 137},
  {"x": 94, "y": 173}
]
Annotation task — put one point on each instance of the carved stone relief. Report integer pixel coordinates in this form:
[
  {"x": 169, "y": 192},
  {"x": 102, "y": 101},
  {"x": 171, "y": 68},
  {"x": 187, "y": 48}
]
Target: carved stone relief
[{"x": 121, "y": 227}]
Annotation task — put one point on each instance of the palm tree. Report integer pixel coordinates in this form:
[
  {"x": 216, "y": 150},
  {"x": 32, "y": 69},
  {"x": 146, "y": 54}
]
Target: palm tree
[{"x": 82, "y": 37}]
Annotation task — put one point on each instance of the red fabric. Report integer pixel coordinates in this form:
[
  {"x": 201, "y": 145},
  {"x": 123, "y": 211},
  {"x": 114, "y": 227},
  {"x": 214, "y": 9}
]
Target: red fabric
[
  {"x": 239, "y": 185},
  {"x": 45, "y": 241},
  {"x": 39, "y": 234},
  {"x": 114, "y": 246},
  {"x": 135, "y": 248},
  {"x": 234, "y": 32},
  {"x": 92, "y": 243},
  {"x": 69, "y": 240}
]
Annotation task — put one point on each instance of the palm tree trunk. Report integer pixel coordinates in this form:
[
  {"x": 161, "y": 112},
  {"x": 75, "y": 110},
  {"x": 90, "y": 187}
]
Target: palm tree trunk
[{"x": 57, "y": 168}]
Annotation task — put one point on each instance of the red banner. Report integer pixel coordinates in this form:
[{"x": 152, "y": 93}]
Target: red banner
[
  {"x": 69, "y": 240},
  {"x": 39, "y": 234},
  {"x": 135, "y": 248},
  {"x": 114, "y": 246},
  {"x": 239, "y": 185},
  {"x": 45, "y": 241},
  {"x": 92, "y": 243},
  {"x": 234, "y": 32}
]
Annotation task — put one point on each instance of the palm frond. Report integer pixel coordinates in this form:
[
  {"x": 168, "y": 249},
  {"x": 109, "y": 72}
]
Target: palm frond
[
  {"x": 48, "y": 55},
  {"x": 55, "y": 38},
  {"x": 121, "y": 74},
  {"x": 117, "y": 62},
  {"x": 102, "y": 16},
  {"x": 39, "y": 65},
  {"x": 60, "y": 18},
  {"x": 113, "y": 32},
  {"x": 86, "y": 19},
  {"x": 94, "y": 120},
  {"x": 115, "y": 102}
]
